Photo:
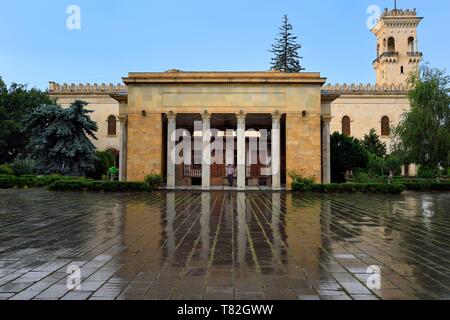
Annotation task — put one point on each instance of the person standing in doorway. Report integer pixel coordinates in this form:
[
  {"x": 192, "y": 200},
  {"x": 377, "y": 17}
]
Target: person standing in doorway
[{"x": 230, "y": 175}]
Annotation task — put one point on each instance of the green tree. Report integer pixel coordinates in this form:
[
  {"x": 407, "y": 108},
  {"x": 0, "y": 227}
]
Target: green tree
[
  {"x": 105, "y": 160},
  {"x": 424, "y": 132},
  {"x": 16, "y": 103},
  {"x": 346, "y": 154},
  {"x": 285, "y": 50},
  {"x": 60, "y": 142},
  {"x": 373, "y": 144}
]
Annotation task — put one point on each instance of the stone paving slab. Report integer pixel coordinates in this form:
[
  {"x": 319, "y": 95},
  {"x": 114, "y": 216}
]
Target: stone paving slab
[{"x": 191, "y": 245}]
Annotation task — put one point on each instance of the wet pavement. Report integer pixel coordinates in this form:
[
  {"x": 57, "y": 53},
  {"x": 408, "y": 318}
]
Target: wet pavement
[{"x": 224, "y": 245}]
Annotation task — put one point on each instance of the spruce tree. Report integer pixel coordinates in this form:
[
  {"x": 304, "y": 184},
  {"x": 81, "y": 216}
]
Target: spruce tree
[
  {"x": 373, "y": 144},
  {"x": 285, "y": 50},
  {"x": 60, "y": 139}
]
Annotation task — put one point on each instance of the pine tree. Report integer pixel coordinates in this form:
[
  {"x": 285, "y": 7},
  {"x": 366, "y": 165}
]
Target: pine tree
[
  {"x": 60, "y": 139},
  {"x": 285, "y": 50},
  {"x": 373, "y": 144}
]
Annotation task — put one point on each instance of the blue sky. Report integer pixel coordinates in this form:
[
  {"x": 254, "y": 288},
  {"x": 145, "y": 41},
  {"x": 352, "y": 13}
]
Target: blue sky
[{"x": 120, "y": 36}]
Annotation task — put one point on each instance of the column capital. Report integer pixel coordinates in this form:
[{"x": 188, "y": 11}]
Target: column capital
[
  {"x": 171, "y": 115},
  {"x": 327, "y": 118},
  {"x": 241, "y": 115},
  {"x": 276, "y": 115},
  {"x": 206, "y": 116},
  {"x": 123, "y": 118}
]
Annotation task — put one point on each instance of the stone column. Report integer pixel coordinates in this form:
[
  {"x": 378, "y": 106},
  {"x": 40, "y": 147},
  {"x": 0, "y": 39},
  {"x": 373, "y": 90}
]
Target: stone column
[
  {"x": 206, "y": 147},
  {"x": 241, "y": 174},
  {"x": 326, "y": 155},
  {"x": 123, "y": 148},
  {"x": 276, "y": 150},
  {"x": 171, "y": 136}
]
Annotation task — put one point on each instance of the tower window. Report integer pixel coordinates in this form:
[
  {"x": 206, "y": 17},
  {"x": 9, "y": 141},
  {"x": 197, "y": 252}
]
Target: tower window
[
  {"x": 346, "y": 126},
  {"x": 112, "y": 126},
  {"x": 391, "y": 44},
  {"x": 411, "y": 45},
  {"x": 401, "y": 70},
  {"x": 385, "y": 126}
]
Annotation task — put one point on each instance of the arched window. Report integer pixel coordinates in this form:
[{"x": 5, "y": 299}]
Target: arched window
[
  {"x": 346, "y": 126},
  {"x": 385, "y": 126},
  {"x": 378, "y": 51},
  {"x": 112, "y": 126},
  {"x": 391, "y": 44},
  {"x": 402, "y": 70},
  {"x": 411, "y": 47}
]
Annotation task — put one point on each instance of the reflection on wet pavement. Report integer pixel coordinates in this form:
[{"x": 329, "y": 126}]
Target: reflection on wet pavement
[{"x": 219, "y": 245}]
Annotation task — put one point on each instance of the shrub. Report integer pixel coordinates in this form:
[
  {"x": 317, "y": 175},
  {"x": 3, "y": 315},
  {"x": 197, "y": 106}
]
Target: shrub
[
  {"x": 23, "y": 167},
  {"x": 361, "y": 177},
  {"x": 427, "y": 172},
  {"x": 91, "y": 185},
  {"x": 394, "y": 164},
  {"x": 6, "y": 169},
  {"x": 154, "y": 181},
  {"x": 15, "y": 182},
  {"x": 375, "y": 165},
  {"x": 7, "y": 176},
  {"x": 104, "y": 161}
]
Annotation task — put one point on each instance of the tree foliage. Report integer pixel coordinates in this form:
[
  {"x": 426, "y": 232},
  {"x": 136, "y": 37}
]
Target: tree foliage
[
  {"x": 346, "y": 154},
  {"x": 373, "y": 144},
  {"x": 285, "y": 50},
  {"x": 424, "y": 132},
  {"x": 105, "y": 160},
  {"x": 60, "y": 142},
  {"x": 16, "y": 103}
]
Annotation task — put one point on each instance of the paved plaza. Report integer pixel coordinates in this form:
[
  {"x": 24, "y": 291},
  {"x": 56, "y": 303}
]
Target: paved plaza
[{"x": 224, "y": 245}]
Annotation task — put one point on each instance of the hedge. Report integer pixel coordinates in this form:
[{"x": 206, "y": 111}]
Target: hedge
[
  {"x": 29, "y": 181},
  {"x": 107, "y": 186},
  {"x": 350, "y": 188},
  {"x": 9, "y": 183},
  {"x": 427, "y": 186}
]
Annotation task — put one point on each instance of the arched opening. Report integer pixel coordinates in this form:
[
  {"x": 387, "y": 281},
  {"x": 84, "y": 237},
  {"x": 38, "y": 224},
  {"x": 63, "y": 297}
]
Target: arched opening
[
  {"x": 402, "y": 70},
  {"x": 385, "y": 126},
  {"x": 411, "y": 45},
  {"x": 112, "y": 126},
  {"x": 378, "y": 51},
  {"x": 391, "y": 44},
  {"x": 346, "y": 126}
]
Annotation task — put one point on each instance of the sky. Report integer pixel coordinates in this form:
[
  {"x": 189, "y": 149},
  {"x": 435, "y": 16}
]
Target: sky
[{"x": 121, "y": 36}]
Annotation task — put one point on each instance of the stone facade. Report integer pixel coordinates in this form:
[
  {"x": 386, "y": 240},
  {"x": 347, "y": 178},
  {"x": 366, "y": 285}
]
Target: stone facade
[
  {"x": 303, "y": 145},
  {"x": 310, "y": 111},
  {"x": 145, "y": 145}
]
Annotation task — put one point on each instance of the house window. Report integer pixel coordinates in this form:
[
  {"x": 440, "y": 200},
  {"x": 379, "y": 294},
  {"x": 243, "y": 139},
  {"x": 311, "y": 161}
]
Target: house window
[
  {"x": 346, "y": 126},
  {"x": 112, "y": 126},
  {"x": 385, "y": 126}
]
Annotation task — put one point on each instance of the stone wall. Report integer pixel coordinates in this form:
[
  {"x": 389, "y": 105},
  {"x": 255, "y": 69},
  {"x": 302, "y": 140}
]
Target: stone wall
[
  {"x": 145, "y": 146},
  {"x": 303, "y": 145}
]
